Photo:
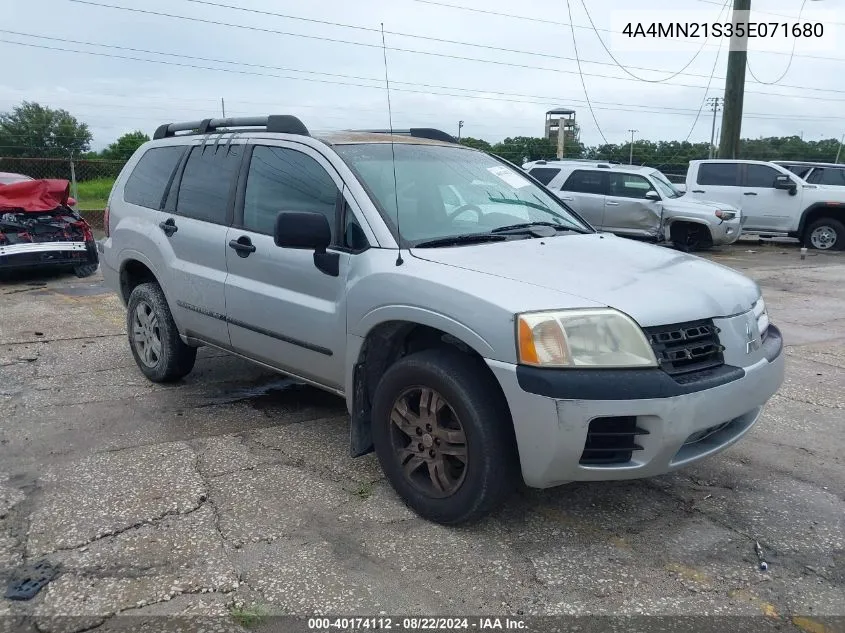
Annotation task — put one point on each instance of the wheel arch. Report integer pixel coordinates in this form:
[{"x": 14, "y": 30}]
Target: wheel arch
[
  {"x": 819, "y": 210},
  {"x": 384, "y": 343},
  {"x": 135, "y": 268}
]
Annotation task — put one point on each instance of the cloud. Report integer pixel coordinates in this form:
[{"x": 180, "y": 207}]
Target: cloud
[{"x": 505, "y": 96}]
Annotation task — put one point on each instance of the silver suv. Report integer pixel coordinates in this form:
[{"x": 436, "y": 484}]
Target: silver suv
[
  {"x": 483, "y": 333},
  {"x": 638, "y": 202}
]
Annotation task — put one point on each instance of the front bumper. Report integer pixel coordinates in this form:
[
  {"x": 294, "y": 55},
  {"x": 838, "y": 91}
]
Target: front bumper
[
  {"x": 40, "y": 254},
  {"x": 726, "y": 232},
  {"x": 551, "y": 427}
]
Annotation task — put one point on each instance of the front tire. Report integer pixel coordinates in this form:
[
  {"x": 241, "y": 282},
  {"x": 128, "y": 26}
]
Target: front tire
[
  {"x": 153, "y": 337},
  {"x": 689, "y": 238},
  {"x": 825, "y": 234},
  {"x": 444, "y": 437}
]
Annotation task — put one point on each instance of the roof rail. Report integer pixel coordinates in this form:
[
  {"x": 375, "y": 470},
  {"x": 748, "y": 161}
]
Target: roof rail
[
  {"x": 417, "y": 132},
  {"x": 280, "y": 123}
]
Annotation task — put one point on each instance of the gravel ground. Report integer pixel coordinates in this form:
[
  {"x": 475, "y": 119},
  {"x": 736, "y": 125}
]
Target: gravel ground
[{"x": 231, "y": 496}]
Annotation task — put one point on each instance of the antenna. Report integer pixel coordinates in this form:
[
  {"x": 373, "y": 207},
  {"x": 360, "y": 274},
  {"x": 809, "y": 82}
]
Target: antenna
[{"x": 399, "y": 260}]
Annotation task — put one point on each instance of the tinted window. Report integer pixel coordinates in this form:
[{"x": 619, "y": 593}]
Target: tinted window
[
  {"x": 207, "y": 181},
  {"x": 830, "y": 177},
  {"x": 145, "y": 186},
  {"x": 628, "y": 186},
  {"x": 544, "y": 174},
  {"x": 282, "y": 179},
  {"x": 760, "y": 176},
  {"x": 583, "y": 181},
  {"x": 724, "y": 174},
  {"x": 799, "y": 170}
]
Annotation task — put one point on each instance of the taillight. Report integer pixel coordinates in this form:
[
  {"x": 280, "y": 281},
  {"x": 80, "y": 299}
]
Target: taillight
[{"x": 106, "y": 220}]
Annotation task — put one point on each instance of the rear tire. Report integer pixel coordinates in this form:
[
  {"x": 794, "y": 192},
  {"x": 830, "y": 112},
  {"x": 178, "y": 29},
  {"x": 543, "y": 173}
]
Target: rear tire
[
  {"x": 85, "y": 270},
  {"x": 153, "y": 337},
  {"x": 453, "y": 466},
  {"x": 825, "y": 234}
]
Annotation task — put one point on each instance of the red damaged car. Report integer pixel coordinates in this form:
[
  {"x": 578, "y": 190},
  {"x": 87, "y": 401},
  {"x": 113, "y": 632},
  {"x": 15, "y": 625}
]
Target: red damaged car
[{"x": 38, "y": 228}]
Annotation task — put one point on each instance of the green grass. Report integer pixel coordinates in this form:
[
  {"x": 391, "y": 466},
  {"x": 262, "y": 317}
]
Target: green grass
[
  {"x": 93, "y": 194},
  {"x": 248, "y": 616}
]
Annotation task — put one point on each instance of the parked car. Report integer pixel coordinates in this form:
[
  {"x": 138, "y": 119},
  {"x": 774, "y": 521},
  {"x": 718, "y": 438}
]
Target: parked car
[
  {"x": 471, "y": 343},
  {"x": 38, "y": 228},
  {"x": 816, "y": 173},
  {"x": 639, "y": 202},
  {"x": 774, "y": 200},
  {"x": 7, "y": 178}
]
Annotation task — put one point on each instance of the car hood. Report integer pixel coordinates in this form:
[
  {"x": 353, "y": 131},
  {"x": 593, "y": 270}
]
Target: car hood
[
  {"x": 652, "y": 284},
  {"x": 693, "y": 205}
]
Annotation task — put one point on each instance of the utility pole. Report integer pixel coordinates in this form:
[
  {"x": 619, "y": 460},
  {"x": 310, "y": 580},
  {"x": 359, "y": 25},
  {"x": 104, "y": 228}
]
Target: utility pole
[
  {"x": 460, "y": 125},
  {"x": 836, "y": 160},
  {"x": 715, "y": 104},
  {"x": 223, "y": 107},
  {"x": 631, "y": 152},
  {"x": 735, "y": 85}
]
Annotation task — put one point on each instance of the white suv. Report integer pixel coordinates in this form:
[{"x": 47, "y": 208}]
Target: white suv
[{"x": 774, "y": 200}]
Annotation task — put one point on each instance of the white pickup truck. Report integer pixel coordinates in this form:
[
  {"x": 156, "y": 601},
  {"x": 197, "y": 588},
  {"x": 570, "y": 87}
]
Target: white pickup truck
[{"x": 774, "y": 201}]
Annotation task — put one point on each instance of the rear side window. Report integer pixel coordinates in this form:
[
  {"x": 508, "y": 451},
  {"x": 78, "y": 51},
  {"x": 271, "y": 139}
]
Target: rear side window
[
  {"x": 282, "y": 179},
  {"x": 829, "y": 177},
  {"x": 760, "y": 176},
  {"x": 721, "y": 174},
  {"x": 584, "y": 181},
  {"x": 148, "y": 181},
  {"x": 207, "y": 182},
  {"x": 544, "y": 174}
]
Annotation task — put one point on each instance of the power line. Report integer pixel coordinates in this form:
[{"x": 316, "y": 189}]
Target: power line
[
  {"x": 788, "y": 64},
  {"x": 544, "y": 99},
  {"x": 628, "y": 72},
  {"x": 429, "y": 38},
  {"x": 413, "y": 51},
  {"x": 781, "y": 15},
  {"x": 581, "y": 26},
  {"x": 581, "y": 75}
]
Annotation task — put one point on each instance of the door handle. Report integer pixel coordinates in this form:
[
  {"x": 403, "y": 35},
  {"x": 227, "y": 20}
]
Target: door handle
[
  {"x": 243, "y": 245},
  {"x": 698, "y": 191},
  {"x": 567, "y": 199},
  {"x": 612, "y": 204},
  {"x": 169, "y": 227},
  {"x": 750, "y": 193}
]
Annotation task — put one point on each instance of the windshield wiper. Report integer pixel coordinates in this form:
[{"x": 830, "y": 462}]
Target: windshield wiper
[
  {"x": 455, "y": 240},
  {"x": 527, "y": 226}
]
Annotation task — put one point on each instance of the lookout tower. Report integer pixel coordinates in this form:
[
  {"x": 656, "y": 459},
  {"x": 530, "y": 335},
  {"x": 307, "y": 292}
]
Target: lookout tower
[{"x": 559, "y": 123}]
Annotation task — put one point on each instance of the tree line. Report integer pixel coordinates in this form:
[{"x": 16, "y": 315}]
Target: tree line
[{"x": 31, "y": 130}]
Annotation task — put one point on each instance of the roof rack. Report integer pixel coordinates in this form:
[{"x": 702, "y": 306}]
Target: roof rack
[
  {"x": 417, "y": 132},
  {"x": 279, "y": 123}
]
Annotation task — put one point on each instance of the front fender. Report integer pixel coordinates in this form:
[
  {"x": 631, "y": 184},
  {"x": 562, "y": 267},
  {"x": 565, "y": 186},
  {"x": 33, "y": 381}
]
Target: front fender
[{"x": 423, "y": 316}]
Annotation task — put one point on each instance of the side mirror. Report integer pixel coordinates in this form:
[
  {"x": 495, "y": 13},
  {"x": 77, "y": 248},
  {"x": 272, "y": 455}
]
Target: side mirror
[
  {"x": 309, "y": 230},
  {"x": 786, "y": 183},
  {"x": 652, "y": 195},
  {"x": 303, "y": 229}
]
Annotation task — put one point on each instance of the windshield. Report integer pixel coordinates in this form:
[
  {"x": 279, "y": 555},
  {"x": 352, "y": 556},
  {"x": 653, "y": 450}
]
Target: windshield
[
  {"x": 448, "y": 191},
  {"x": 666, "y": 188}
]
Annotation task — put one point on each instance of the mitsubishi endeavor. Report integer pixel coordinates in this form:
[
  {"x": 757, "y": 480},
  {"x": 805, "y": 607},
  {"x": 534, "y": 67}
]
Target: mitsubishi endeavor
[{"x": 480, "y": 331}]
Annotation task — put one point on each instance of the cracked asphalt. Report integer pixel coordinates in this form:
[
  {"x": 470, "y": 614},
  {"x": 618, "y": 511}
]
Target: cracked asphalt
[{"x": 232, "y": 492}]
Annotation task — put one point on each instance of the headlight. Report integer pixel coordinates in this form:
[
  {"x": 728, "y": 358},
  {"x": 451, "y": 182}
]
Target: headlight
[{"x": 582, "y": 338}]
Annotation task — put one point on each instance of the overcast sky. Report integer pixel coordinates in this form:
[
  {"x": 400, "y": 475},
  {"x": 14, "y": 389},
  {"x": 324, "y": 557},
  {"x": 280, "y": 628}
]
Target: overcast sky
[{"x": 271, "y": 72}]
